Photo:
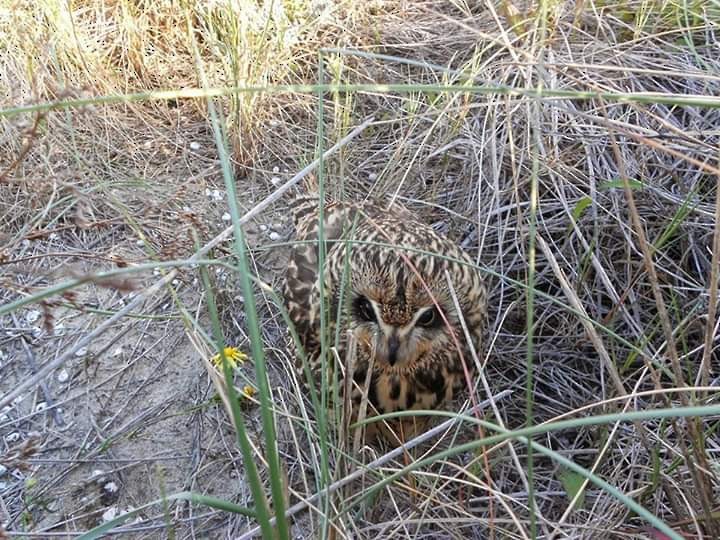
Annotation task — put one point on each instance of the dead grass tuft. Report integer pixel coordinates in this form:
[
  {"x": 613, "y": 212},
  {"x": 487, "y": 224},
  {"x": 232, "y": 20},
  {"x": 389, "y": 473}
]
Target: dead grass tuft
[{"x": 105, "y": 187}]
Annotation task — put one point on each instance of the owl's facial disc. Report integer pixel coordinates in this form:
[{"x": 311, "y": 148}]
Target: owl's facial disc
[{"x": 393, "y": 343}]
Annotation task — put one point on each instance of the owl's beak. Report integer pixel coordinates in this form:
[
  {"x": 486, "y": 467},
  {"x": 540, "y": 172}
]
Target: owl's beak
[{"x": 392, "y": 349}]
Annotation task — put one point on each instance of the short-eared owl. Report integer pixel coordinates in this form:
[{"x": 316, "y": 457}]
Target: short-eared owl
[{"x": 385, "y": 276}]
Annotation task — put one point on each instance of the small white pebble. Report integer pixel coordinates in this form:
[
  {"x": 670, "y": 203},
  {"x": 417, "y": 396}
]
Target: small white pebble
[
  {"x": 32, "y": 316},
  {"x": 263, "y": 227},
  {"x": 63, "y": 375},
  {"x": 13, "y": 437},
  {"x": 175, "y": 282},
  {"x": 226, "y": 217},
  {"x": 274, "y": 236},
  {"x": 139, "y": 242},
  {"x": 36, "y": 331},
  {"x": 82, "y": 351},
  {"x": 109, "y": 514},
  {"x": 156, "y": 272},
  {"x": 110, "y": 487},
  {"x": 372, "y": 177},
  {"x": 53, "y": 236},
  {"x": 276, "y": 169},
  {"x": 275, "y": 180},
  {"x": 217, "y": 195},
  {"x": 41, "y": 406},
  {"x": 194, "y": 145}
]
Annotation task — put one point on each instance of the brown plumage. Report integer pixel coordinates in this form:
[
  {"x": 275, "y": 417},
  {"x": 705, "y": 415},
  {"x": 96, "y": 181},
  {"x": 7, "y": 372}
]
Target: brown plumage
[{"x": 397, "y": 303}]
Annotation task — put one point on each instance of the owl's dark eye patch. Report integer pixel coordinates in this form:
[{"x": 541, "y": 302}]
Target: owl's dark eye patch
[
  {"x": 363, "y": 309},
  {"x": 430, "y": 318}
]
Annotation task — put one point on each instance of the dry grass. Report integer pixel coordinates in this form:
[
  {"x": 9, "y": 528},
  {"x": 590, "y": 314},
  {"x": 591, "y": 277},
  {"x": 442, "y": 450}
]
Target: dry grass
[{"x": 626, "y": 230}]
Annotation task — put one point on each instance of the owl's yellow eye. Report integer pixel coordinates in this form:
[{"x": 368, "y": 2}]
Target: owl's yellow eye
[
  {"x": 364, "y": 309},
  {"x": 428, "y": 318}
]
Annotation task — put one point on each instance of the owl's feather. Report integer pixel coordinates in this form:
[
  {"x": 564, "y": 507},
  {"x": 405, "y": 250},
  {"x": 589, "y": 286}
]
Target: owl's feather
[{"x": 396, "y": 282}]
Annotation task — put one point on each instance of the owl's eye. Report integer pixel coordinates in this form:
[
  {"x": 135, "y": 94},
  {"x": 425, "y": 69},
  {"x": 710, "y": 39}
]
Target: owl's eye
[
  {"x": 428, "y": 318},
  {"x": 364, "y": 309}
]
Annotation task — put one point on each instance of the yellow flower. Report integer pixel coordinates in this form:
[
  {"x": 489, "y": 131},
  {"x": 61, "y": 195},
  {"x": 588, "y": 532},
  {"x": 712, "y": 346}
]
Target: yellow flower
[
  {"x": 248, "y": 391},
  {"x": 233, "y": 355}
]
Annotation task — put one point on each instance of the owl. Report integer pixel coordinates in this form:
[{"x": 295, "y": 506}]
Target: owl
[{"x": 388, "y": 282}]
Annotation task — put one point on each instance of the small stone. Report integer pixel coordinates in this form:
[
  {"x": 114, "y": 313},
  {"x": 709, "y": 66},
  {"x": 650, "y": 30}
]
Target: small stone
[
  {"x": 217, "y": 195},
  {"x": 36, "y": 331},
  {"x": 13, "y": 437},
  {"x": 195, "y": 145},
  {"x": 263, "y": 228},
  {"x": 276, "y": 170},
  {"x": 109, "y": 514},
  {"x": 226, "y": 217},
  {"x": 82, "y": 351},
  {"x": 110, "y": 487},
  {"x": 53, "y": 236},
  {"x": 32, "y": 316},
  {"x": 274, "y": 236},
  {"x": 175, "y": 282},
  {"x": 156, "y": 272},
  {"x": 63, "y": 376},
  {"x": 275, "y": 180},
  {"x": 372, "y": 177}
]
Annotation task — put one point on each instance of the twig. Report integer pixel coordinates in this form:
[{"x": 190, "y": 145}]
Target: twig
[
  {"x": 49, "y": 401},
  {"x": 705, "y": 370},
  {"x": 135, "y": 302}
]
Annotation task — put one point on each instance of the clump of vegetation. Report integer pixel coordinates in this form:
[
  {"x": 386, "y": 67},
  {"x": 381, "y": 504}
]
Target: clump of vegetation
[{"x": 570, "y": 147}]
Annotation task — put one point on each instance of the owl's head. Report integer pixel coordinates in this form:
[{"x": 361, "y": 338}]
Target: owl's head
[{"x": 400, "y": 318}]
